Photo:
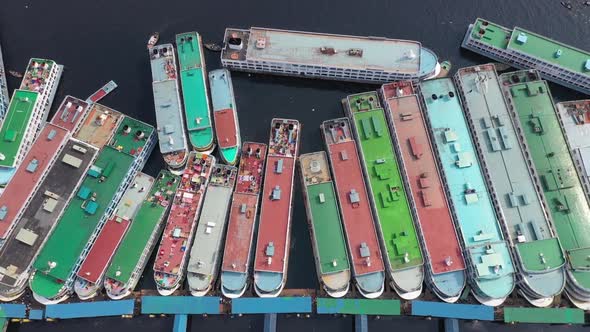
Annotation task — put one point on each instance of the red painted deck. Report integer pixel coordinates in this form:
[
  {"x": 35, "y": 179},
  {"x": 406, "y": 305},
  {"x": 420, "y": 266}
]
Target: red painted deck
[
  {"x": 240, "y": 231},
  {"x": 357, "y": 217},
  {"x": 275, "y": 214},
  {"x": 427, "y": 189},
  {"x": 70, "y": 113},
  {"x": 396, "y": 89},
  {"x": 225, "y": 128},
  {"x": 173, "y": 250},
  {"x": 23, "y": 182},
  {"x": 103, "y": 250}
]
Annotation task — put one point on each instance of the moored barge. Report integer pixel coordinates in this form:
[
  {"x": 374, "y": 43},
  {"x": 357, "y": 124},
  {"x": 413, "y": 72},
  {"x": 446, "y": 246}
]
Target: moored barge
[
  {"x": 323, "y": 215},
  {"x": 134, "y": 251},
  {"x": 237, "y": 255},
  {"x": 445, "y": 265},
  {"x": 387, "y": 191},
  {"x": 173, "y": 252},
  {"x": 90, "y": 275},
  {"x": 490, "y": 267},
  {"x": 536, "y": 117},
  {"x": 274, "y": 231},
  {"x": 515, "y": 192},
  {"x": 366, "y": 260},
  {"x": 227, "y": 127},
  {"x": 206, "y": 251}
]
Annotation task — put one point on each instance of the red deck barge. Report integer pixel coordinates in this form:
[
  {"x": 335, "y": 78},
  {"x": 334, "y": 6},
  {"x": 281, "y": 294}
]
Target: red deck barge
[
  {"x": 225, "y": 127},
  {"x": 242, "y": 218},
  {"x": 355, "y": 206},
  {"x": 434, "y": 216},
  {"x": 172, "y": 254},
  {"x": 274, "y": 231},
  {"x": 40, "y": 157}
]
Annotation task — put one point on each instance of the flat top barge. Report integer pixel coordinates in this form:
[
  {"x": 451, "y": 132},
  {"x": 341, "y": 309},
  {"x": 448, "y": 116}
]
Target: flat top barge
[
  {"x": 173, "y": 253},
  {"x": 443, "y": 254},
  {"x": 523, "y": 49},
  {"x": 491, "y": 271},
  {"x": 357, "y": 217},
  {"x": 330, "y": 252},
  {"x": 86, "y": 214},
  {"x": 38, "y": 161},
  {"x": 207, "y": 248},
  {"x": 274, "y": 232},
  {"x": 169, "y": 115},
  {"x": 227, "y": 128},
  {"x": 511, "y": 180},
  {"x": 38, "y": 220},
  {"x": 90, "y": 274},
  {"x": 387, "y": 191},
  {"x": 567, "y": 203},
  {"x": 133, "y": 253},
  {"x": 326, "y": 56},
  {"x": 193, "y": 79},
  {"x": 239, "y": 242}
]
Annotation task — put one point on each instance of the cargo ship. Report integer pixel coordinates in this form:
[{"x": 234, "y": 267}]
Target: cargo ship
[
  {"x": 90, "y": 275},
  {"x": 131, "y": 257},
  {"x": 445, "y": 265},
  {"x": 82, "y": 220},
  {"x": 366, "y": 260},
  {"x": 37, "y": 163},
  {"x": 387, "y": 192},
  {"x": 227, "y": 127},
  {"x": 4, "y": 97},
  {"x": 28, "y": 220},
  {"x": 522, "y": 49},
  {"x": 206, "y": 251},
  {"x": 325, "y": 227},
  {"x": 235, "y": 266},
  {"x": 26, "y": 114},
  {"x": 575, "y": 117},
  {"x": 327, "y": 56},
  {"x": 536, "y": 117},
  {"x": 510, "y": 176},
  {"x": 271, "y": 256},
  {"x": 193, "y": 79},
  {"x": 487, "y": 254},
  {"x": 172, "y": 255},
  {"x": 169, "y": 116}
]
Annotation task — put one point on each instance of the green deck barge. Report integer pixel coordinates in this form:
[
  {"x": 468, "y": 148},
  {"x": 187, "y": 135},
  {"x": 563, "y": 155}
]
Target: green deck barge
[
  {"x": 194, "y": 90},
  {"x": 398, "y": 233},
  {"x": 92, "y": 205},
  {"x": 15, "y": 125},
  {"x": 78, "y": 222},
  {"x": 148, "y": 218},
  {"x": 329, "y": 244},
  {"x": 555, "y": 168}
]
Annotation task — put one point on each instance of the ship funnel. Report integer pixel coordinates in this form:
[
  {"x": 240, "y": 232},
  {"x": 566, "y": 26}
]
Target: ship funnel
[
  {"x": 139, "y": 134},
  {"x": 235, "y": 43}
]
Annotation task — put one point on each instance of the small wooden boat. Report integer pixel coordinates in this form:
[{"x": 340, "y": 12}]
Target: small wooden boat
[{"x": 153, "y": 40}]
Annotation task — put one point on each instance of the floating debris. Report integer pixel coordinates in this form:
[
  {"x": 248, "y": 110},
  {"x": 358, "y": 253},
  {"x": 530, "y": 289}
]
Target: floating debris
[{"x": 15, "y": 73}]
